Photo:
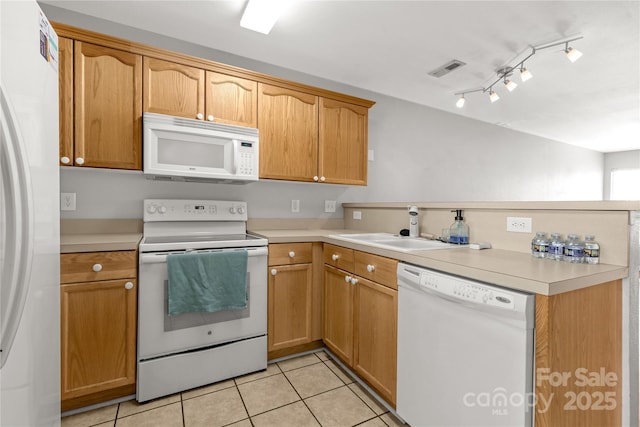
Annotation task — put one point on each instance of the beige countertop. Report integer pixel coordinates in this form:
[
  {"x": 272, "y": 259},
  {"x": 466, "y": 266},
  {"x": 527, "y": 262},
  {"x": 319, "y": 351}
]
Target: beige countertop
[
  {"x": 511, "y": 269},
  {"x": 98, "y": 242},
  {"x": 98, "y": 235}
]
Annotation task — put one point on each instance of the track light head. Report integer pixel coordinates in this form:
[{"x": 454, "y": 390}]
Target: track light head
[
  {"x": 525, "y": 74},
  {"x": 460, "y": 102},
  {"x": 510, "y": 84},
  {"x": 493, "y": 96},
  {"x": 573, "y": 54}
]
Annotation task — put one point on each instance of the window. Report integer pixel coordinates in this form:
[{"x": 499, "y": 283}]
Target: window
[{"x": 625, "y": 184}]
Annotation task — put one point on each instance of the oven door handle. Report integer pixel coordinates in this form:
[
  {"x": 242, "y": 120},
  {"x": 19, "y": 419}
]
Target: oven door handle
[{"x": 155, "y": 258}]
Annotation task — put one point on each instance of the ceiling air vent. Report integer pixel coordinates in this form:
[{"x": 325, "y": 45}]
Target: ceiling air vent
[{"x": 447, "y": 68}]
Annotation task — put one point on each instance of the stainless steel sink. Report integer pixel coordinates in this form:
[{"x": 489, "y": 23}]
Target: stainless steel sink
[{"x": 394, "y": 241}]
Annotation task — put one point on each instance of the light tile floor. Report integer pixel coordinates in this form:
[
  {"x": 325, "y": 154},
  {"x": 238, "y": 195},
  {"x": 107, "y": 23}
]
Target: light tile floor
[{"x": 309, "y": 390}]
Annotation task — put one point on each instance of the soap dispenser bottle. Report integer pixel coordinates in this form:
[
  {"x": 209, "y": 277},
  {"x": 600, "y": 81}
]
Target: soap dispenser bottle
[
  {"x": 413, "y": 221},
  {"x": 459, "y": 231}
]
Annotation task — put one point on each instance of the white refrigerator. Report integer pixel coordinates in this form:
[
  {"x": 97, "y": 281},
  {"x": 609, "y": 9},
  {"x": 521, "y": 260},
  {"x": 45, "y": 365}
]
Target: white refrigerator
[{"x": 29, "y": 218}]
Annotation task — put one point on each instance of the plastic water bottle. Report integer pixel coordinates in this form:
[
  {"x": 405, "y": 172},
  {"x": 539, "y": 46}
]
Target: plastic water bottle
[
  {"x": 591, "y": 250},
  {"x": 574, "y": 250},
  {"x": 540, "y": 245},
  {"x": 556, "y": 248}
]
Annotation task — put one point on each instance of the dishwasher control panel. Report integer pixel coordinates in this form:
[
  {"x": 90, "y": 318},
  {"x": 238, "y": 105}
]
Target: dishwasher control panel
[{"x": 465, "y": 290}]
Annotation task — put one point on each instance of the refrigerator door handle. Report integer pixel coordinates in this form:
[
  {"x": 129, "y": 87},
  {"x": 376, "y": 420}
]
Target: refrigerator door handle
[{"x": 17, "y": 246}]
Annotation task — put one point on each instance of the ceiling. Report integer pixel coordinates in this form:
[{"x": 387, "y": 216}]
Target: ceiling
[{"x": 389, "y": 47}]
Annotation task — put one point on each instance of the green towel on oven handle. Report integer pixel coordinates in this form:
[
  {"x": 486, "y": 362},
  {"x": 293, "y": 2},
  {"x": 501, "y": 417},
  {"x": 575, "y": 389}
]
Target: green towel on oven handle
[{"x": 207, "y": 281}]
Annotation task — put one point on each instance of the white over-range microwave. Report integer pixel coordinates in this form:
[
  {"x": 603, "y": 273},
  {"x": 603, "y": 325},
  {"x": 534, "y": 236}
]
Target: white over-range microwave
[{"x": 182, "y": 149}]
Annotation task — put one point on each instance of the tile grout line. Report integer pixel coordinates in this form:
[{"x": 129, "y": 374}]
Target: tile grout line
[
  {"x": 301, "y": 399},
  {"x": 244, "y": 405}
]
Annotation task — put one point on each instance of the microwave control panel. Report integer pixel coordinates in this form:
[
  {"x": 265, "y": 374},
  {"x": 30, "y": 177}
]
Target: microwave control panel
[{"x": 247, "y": 160}]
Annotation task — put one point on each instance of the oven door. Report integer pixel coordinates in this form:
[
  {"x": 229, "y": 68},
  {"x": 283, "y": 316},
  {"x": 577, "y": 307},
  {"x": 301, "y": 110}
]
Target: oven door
[{"x": 160, "y": 334}]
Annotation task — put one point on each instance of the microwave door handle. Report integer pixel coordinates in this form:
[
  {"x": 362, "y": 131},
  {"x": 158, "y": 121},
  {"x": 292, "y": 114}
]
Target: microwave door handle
[{"x": 236, "y": 153}]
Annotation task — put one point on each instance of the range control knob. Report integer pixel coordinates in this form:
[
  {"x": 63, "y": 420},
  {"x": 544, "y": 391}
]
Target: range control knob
[
  {"x": 162, "y": 209},
  {"x": 152, "y": 209},
  {"x": 232, "y": 210},
  {"x": 241, "y": 210}
]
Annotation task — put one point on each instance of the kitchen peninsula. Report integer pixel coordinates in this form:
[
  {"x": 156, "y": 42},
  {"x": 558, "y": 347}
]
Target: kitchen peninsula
[{"x": 583, "y": 333}]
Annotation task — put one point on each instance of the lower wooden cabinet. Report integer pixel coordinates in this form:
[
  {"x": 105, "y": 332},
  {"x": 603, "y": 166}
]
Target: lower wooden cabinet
[
  {"x": 361, "y": 315},
  {"x": 289, "y": 306},
  {"x": 338, "y": 313},
  {"x": 294, "y": 298},
  {"x": 375, "y": 336},
  {"x": 97, "y": 327}
]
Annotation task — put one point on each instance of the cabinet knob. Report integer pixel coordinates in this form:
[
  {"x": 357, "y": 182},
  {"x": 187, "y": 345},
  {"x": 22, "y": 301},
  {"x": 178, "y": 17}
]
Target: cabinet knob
[
  {"x": 79, "y": 161},
  {"x": 65, "y": 160},
  {"x": 322, "y": 178},
  {"x": 335, "y": 257},
  {"x": 315, "y": 178},
  {"x": 274, "y": 271},
  {"x": 128, "y": 285},
  {"x": 199, "y": 116},
  {"x": 97, "y": 267},
  {"x": 347, "y": 279},
  {"x": 292, "y": 254},
  {"x": 354, "y": 280},
  {"x": 370, "y": 268},
  {"x": 210, "y": 117}
]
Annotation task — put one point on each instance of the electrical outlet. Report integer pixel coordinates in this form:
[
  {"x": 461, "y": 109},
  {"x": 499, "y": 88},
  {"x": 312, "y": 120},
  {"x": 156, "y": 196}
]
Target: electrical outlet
[
  {"x": 518, "y": 224},
  {"x": 357, "y": 215},
  {"x": 295, "y": 206},
  {"x": 329, "y": 205},
  {"x": 67, "y": 201}
]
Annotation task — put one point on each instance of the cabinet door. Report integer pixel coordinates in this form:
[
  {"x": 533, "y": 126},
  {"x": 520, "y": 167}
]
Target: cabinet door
[
  {"x": 288, "y": 124},
  {"x": 65, "y": 99},
  {"x": 98, "y": 336},
  {"x": 376, "y": 331},
  {"x": 232, "y": 100},
  {"x": 289, "y": 305},
  {"x": 108, "y": 107},
  {"x": 338, "y": 313},
  {"x": 343, "y": 142},
  {"x": 173, "y": 89}
]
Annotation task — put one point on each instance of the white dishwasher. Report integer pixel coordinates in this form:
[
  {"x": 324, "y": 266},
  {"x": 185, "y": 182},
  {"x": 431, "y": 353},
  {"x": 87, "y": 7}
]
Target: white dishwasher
[{"x": 465, "y": 351}]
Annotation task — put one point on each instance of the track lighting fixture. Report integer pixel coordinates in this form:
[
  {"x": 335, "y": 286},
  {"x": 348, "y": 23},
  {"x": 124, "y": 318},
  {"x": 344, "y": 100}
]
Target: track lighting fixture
[
  {"x": 573, "y": 54},
  {"x": 525, "y": 74},
  {"x": 504, "y": 73},
  {"x": 510, "y": 84}
]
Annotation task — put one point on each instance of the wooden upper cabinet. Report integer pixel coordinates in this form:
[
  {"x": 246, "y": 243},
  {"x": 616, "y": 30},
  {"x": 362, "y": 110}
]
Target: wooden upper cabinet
[
  {"x": 343, "y": 142},
  {"x": 108, "y": 107},
  {"x": 173, "y": 89},
  {"x": 288, "y": 124},
  {"x": 231, "y": 100},
  {"x": 65, "y": 99}
]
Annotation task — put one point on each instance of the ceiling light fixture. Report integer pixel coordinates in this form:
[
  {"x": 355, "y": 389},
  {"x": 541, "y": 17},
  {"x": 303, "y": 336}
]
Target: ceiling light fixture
[
  {"x": 510, "y": 84},
  {"x": 573, "y": 54},
  {"x": 261, "y": 15},
  {"x": 525, "y": 74},
  {"x": 505, "y": 72}
]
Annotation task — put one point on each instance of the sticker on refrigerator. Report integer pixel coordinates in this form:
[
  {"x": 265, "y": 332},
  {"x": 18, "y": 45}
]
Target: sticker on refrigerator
[{"x": 48, "y": 42}]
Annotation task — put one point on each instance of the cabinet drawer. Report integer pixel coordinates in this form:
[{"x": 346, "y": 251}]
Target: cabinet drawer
[
  {"x": 377, "y": 268},
  {"x": 81, "y": 267},
  {"x": 339, "y": 257},
  {"x": 289, "y": 253}
]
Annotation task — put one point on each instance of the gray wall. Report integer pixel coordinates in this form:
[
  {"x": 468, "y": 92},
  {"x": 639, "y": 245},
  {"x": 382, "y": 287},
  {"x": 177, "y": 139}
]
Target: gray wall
[
  {"x": 420, "y": 154},
  {"x": 620, "y": 160}
]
